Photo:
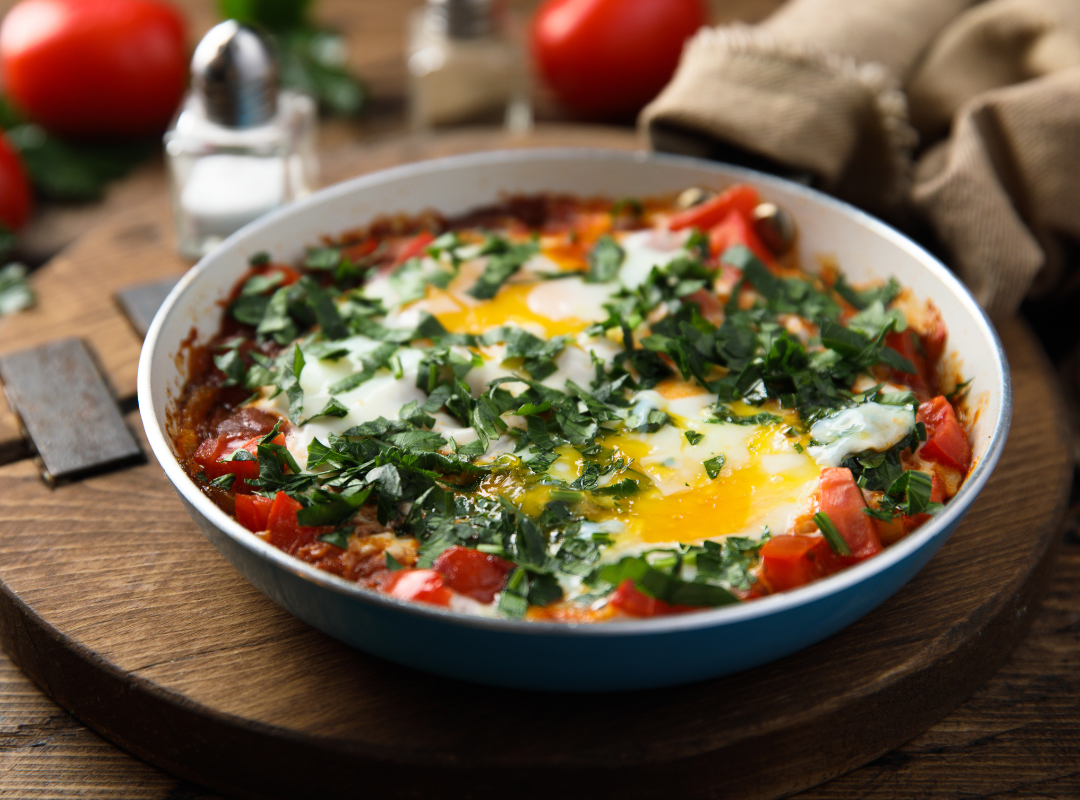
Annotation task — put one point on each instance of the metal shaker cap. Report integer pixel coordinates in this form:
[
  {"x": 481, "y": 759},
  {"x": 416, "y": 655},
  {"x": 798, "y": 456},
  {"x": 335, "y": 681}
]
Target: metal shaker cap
[
  {"x": 467, "y": 19},
  {"x": 235, "y": 72}
]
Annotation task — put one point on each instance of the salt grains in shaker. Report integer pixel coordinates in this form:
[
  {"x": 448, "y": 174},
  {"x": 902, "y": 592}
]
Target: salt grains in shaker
[
  {"x": 465, "y": 67},
  {"x": 239, "y": 146}
]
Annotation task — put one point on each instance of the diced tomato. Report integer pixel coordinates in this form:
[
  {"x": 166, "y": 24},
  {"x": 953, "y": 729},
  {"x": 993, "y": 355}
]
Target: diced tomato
[
  {"x": 211, "y": 452},
  {"x": 414, "y": 247},
  {"x": 843, "y": 502},
  {"x": 472, "y": 573},
  {"x": 209, "y": 456},
  {"x": 253, "y": 511},
  {"x": 633, "y": 601},
  {"x": 906, "y": 343},
  {"x": 355, "y": 252},
  {"x": 946, "y": 443},
  {"x": 937, "y": 490},
  {"x": 933, "y": 341},
  {"x": 794, "y": 560},
  {"x": 285, "y": 532},
  {"x": 422, "y": 585},
  {"x": 736, "y": 229},
  {"x": 740, "y": 197}
]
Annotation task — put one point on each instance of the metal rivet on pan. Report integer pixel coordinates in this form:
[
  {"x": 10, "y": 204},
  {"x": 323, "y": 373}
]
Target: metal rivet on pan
[
  {"x": 775, "y": 226},
  {"x": 693, "y": 196}
]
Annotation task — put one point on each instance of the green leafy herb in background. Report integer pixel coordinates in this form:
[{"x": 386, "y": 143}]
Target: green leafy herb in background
[
  {"x": 65, "y": 170},
  {"x": 15, "y": 292},
  {"x": 312, "y": 60},
  {"x": 276, "y": 15},
  {"x": 604, "y": 260}
]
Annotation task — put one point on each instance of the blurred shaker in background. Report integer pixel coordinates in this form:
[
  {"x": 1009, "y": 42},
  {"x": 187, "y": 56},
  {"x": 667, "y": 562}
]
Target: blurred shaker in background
[
  {"x": 239, "y": 146},
  {"x": 466, "y": 67}
]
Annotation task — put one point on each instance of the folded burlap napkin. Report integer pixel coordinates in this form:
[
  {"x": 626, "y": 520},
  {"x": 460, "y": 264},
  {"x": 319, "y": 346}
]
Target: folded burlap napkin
[{"x": 964, "y": 117}]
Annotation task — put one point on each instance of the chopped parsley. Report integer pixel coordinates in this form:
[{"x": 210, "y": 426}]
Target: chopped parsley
[
  {"x": 836, "y": 542},
  {"x": 664, "y": 584},
  {"x": 604, "y": 260},
  {"x": 714, "y": 465},
  {"x": 504, "y": 259}
]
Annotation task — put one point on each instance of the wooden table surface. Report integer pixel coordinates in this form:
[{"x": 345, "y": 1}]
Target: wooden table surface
[{"x": 1018, "y": 736}]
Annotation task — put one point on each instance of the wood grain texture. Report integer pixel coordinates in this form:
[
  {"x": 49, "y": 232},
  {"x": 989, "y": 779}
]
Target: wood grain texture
[
  {"x": 13, "y": 445},
  {"x": 1017, "y": 736}
]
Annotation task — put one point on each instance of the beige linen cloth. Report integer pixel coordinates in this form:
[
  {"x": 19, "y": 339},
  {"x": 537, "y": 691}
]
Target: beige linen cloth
[{"x": 964, "y": 117}]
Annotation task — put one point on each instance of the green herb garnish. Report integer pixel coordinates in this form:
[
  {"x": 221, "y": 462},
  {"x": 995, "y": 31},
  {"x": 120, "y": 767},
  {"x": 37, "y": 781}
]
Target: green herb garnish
[
  {"x": 714, "y": 465},
  {"x": 604, "y": 260},
  {"x": 831, "y": 534}
]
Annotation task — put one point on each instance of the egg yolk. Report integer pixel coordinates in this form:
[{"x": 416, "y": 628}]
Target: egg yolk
[
  {"x": 727, "y": 504},
  {"x": 509, "y": 307},
  {"x": 738, "y": 500}
]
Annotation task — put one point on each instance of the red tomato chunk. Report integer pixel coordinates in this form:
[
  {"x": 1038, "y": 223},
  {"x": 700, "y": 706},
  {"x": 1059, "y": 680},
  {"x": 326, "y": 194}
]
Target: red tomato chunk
[
  {"x": 422, "y": 585},
  {"x": 736, "y": 229},
  {"x": 739, "y": 198},
  {"x": 908, "y": 345},
  {"x": 631, "y": 600},
  {"x": 285, "y": 532},
  {"x": 253, "y": 511},
  {"x": 414, "y": 247},
  {"x": 794, "y": 560},
  {"x": 472, "y": 573},
  {"x": 842, "y": 500},
  {"x": 946, "y": 442},
  {"x": 211, "y": 452}
]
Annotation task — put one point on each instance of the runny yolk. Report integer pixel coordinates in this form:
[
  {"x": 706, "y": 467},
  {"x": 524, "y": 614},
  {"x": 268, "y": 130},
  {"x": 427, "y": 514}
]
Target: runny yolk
[
  {"x": 735, "y": 501},
  {"x": 509, "y": 307},
  {"x": 724, "y": 505}
]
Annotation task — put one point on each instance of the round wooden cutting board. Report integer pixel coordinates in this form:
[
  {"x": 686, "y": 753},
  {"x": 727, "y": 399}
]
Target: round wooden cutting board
[{"x": 112, "y": 601}]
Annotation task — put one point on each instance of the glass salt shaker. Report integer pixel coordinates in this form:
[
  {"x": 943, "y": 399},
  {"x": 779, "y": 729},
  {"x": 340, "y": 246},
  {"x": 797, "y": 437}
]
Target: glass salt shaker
[
  {"x": 239, "y": 146},
  {"x": 465, "y": 67}
]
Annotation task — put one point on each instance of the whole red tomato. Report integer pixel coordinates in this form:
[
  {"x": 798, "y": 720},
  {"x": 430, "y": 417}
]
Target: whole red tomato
[
  {"x": 607, "y": 58},
  {"x": 15, "y": 202},
  {"x": 94, "y": 67}
]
